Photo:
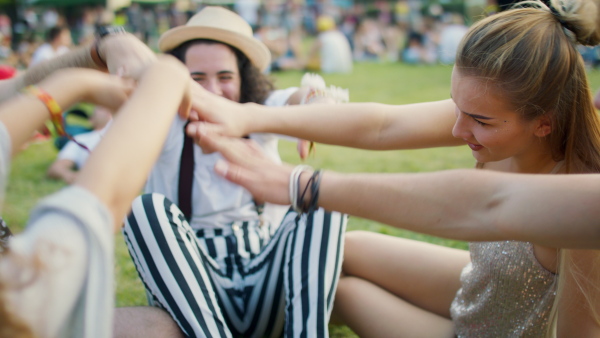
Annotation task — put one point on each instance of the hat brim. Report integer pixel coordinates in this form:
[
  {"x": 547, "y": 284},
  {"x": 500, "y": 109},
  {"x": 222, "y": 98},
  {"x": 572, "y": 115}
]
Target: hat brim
[{"x": 255, "y": 50}]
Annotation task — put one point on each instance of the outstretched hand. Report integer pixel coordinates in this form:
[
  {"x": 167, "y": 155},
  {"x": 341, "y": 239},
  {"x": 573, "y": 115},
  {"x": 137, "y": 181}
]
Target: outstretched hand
[
  {"x": 215, "y": 115},
  {"x": 247, "y": 166}
]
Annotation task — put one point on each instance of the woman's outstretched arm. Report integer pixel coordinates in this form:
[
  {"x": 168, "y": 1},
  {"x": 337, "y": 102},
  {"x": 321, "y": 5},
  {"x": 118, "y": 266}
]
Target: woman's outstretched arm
[
  {"x": 121, "y": 52},
  {"x": 359, "y": 125},
  {"x": 473, "y": 205}
]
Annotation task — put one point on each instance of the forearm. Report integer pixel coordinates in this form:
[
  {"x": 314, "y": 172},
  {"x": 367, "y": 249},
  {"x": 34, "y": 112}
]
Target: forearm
[
  {"x": 426, "y": 203},
  {"x": 473, "y": 205},
  {"x": 120, "y": 164},
  {"x": 79, "y": 57},
  {"x": 360, "y": 125},
  {"x": 29, "y": 108}
]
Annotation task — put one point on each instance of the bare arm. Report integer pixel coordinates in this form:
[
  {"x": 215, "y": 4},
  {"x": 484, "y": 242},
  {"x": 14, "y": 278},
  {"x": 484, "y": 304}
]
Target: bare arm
[
  {"x": 359, "y": 125},
  {"x": 473, "y": 205},
  {"x": 119, "y": 165},
  {"x": 123, "y": 51},
  {"x": 24, "y": 113},
  {"x": 62, "y": 169}
]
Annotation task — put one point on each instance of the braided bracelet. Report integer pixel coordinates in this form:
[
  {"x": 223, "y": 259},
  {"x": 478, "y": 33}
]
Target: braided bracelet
[
  {"x": 56, "y": 112},
  {"x": 296, "y": 199},
  {"x": 314, "y": 190}
]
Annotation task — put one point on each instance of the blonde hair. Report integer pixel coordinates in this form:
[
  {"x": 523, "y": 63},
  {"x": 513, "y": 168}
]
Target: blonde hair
[{"x": 529, "y": 56}]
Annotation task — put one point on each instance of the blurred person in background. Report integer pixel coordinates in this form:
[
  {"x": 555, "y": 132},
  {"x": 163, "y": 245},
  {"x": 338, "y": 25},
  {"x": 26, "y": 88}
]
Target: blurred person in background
[
  {"x": 58, "y": 41},
  {"x": 451, "y": 34},
  {"x": 73, "y": 156},
  {"x": 331, "y": 51}
]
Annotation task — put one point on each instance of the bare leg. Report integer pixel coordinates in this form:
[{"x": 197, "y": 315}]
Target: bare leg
[
  {"x": 144, "y": 321},
  {"x": 371, "y": 311},
  {"x": 423, "y": 278}
]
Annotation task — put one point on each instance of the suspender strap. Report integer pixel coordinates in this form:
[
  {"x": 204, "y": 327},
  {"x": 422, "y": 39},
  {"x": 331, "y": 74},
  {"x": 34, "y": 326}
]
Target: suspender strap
[{"x": 186, "y": 176}]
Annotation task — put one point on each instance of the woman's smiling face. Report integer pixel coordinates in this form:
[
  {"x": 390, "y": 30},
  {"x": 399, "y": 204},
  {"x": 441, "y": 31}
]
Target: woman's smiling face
[{"x": 487, "y": 122}]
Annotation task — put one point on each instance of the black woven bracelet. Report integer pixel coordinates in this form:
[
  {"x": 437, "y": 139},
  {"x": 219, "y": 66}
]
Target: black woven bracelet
[
  {"x": 302, "y": 205},
  {"x": 314, "y": 191}
]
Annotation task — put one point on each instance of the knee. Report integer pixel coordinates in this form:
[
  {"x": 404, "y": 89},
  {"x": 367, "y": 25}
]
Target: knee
[
  {"x": 143, "y": 206},
  {"x": 346, "y": 290},
  {"x": 354, "y": 241},
  {"x": 353, "y": 244}
]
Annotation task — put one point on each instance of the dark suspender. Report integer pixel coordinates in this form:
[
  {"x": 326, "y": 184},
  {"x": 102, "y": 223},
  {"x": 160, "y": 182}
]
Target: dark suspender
[{"x": 186, "y": 175}]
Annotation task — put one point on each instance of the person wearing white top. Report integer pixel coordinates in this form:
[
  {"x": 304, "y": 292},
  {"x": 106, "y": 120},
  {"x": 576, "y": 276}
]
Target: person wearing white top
[
  {"x": 73, "y": 156},
  {"x": 57, "y": 43}
]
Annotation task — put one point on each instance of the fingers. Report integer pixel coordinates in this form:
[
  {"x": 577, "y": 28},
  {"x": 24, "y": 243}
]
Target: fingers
[
  {"x": 303, "y": 147},
  {"x": 186, "y": 104},
  {"x": 200, "y": 131},
  {"x": 231, "y": 172}
]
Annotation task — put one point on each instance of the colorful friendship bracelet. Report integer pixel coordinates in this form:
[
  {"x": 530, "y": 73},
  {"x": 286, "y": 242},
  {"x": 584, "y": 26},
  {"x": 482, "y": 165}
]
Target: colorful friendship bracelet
[{"x": 56, "y": 112}]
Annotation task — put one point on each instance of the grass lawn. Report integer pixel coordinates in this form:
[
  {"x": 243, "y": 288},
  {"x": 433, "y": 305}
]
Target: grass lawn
[{"x": 386, "y": 83}]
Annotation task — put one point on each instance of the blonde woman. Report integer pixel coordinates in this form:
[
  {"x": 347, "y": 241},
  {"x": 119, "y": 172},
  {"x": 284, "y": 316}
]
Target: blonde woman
[{"x": 521, "y": 102}]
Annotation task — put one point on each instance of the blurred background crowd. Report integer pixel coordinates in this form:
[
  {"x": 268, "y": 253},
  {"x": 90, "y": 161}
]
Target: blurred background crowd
[{"x": 317, "y": 35}]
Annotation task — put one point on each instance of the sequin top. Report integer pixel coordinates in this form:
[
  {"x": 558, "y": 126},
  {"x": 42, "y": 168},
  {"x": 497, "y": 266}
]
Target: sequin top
[{"x": 505, "y": 292}]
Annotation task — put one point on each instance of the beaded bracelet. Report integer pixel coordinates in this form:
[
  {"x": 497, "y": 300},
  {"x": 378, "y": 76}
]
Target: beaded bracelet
[{"x": 56, "y": 112}]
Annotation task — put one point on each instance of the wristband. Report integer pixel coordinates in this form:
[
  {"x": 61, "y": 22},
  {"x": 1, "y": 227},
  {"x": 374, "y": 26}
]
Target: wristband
[
  {"x": 95, "y": 54},
  {"x": 101, "y": 33},
  {"x": 56, "y": 113},
  {"x": 53, "y": 107}
]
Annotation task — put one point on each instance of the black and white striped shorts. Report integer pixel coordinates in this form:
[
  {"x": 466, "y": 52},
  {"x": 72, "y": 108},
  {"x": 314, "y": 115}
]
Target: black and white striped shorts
[{"x": 241, "y": 280}]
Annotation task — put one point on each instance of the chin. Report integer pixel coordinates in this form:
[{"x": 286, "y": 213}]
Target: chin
[{"x": 483, "y": 157}]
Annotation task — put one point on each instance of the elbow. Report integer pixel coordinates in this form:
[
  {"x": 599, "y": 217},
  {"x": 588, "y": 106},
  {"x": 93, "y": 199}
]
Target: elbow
[{"x": 499, "y": 224}]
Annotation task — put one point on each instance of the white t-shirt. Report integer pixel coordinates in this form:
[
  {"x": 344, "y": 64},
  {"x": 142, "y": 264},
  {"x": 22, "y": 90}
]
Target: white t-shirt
[
  {"x": 59, "y": 273},
  {"x": 216, "y": 202},
  {"x": 336, "y": 55}
]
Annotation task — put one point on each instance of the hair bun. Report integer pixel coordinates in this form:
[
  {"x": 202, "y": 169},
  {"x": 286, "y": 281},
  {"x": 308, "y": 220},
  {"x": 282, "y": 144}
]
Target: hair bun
[{"x": 581, "y": 17}]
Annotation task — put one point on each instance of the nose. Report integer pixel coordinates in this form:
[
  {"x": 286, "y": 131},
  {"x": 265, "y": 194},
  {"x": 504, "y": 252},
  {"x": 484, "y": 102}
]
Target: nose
[
  {"x": 213, "y": 87},
  {"x": 461, "y": 127}
]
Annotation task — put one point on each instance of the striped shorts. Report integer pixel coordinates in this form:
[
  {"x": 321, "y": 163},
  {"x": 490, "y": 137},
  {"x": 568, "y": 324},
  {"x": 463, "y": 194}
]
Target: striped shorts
[{"x": 243, "y": 280}]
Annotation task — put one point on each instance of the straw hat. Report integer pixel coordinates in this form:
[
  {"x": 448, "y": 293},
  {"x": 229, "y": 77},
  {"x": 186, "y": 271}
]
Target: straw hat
[{"x": 219, "y": 24}]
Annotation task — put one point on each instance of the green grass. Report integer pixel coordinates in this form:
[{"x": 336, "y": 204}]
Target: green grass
[{"x": 386, "y": 83}]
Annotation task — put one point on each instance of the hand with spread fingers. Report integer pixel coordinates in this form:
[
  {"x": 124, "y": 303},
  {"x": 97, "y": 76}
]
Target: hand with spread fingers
[{"x": 247, "y": 166}]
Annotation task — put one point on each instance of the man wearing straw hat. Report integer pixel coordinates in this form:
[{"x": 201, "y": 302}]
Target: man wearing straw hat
[{"x": 220, "y": 262}]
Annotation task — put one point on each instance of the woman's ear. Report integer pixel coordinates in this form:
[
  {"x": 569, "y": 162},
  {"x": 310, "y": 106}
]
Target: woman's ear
[{"x": 543, "y": 126}]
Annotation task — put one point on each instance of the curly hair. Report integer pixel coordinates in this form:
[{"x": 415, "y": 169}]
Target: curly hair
[{"x": 255, "y": 86}]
